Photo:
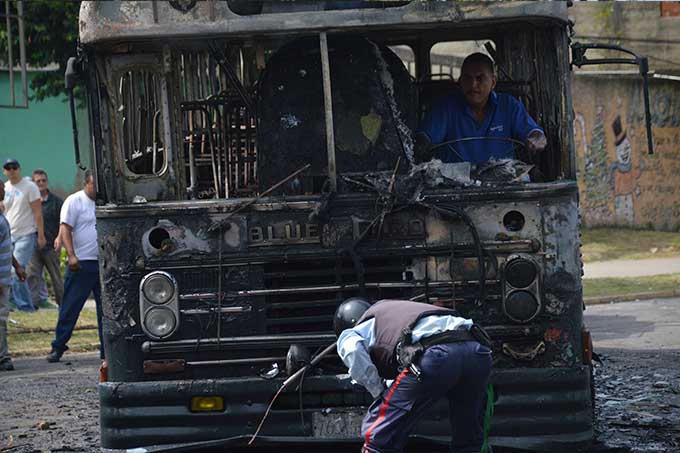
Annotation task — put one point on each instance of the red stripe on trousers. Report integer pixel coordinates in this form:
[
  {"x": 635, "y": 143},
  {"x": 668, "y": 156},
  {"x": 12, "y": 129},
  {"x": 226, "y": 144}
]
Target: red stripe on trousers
[{"x": 383, "y": 408}]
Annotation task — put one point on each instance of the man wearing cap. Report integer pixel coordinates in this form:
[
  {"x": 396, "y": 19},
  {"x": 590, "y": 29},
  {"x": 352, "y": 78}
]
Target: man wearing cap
[
  {"x": 478, "y": 111},
  {"x": 24, "y": 214},
  {"x": 426, "y": 353}
]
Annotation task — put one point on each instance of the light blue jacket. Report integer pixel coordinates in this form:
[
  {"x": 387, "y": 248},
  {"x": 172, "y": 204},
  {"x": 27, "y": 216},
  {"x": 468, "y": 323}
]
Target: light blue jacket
[{"x": 354, "y": 346}]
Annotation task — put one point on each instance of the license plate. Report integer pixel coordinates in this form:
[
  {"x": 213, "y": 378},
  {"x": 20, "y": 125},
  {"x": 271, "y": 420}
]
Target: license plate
[{"x": 337, "y": 424}]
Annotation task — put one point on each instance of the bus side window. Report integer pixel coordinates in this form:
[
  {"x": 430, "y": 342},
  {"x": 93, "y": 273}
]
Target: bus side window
[
  {"x": 406, "y": 55},
  {"x": 140, "y": 119},
  {"x": 446, "y": 58}
]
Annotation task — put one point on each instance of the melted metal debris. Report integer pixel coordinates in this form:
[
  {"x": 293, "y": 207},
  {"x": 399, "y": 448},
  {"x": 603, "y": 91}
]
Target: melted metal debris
[
  {"x": 409, "y": 186},
  {"x": 503, "y": 170},
  {"x": 437, "y": 174}
]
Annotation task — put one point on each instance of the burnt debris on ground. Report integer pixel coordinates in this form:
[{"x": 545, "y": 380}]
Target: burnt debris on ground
[{"x": 638, "y": 400}]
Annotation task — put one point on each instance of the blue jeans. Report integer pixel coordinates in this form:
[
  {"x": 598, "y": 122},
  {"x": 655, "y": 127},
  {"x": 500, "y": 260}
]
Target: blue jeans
[
  {"x": 4, "y": 314},
  {"x": 458, "y": 372},
  {"x": 23, "y": 249},
  {"x": 77, "y": 287}
]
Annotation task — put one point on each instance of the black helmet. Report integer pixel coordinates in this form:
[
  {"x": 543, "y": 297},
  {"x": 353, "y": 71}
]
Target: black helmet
[{"x": 348, "y": 313}]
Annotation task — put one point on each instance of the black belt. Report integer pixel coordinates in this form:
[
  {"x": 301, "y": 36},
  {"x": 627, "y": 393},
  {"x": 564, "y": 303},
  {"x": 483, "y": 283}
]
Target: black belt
[
  {"x": 407, "y": 353},
  {"x": 449, "y": 336}
]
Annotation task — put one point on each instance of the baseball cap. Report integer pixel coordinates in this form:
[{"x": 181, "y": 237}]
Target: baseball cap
[{"x": 11, "y": 162}]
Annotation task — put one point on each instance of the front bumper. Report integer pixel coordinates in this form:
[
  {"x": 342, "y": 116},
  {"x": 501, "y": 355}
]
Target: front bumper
[{"x": 536, "y": 409}]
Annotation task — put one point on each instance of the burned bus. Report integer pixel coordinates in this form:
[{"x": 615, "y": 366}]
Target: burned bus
[{"x": 256, "y": 165}]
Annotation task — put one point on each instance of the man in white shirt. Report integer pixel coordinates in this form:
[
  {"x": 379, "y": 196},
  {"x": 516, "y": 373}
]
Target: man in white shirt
[
  {"x": 78, "y": 235},
  {"x": 24, "y": 214}
]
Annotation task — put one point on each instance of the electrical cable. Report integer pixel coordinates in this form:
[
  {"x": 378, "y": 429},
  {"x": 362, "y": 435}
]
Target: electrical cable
[
  {"x": 302, "y": 414},
  {"x": 301, "y": 372}
]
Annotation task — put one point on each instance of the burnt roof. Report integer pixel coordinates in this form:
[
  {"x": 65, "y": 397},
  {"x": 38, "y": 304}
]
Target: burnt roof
[{"x": 132, "y": 20}]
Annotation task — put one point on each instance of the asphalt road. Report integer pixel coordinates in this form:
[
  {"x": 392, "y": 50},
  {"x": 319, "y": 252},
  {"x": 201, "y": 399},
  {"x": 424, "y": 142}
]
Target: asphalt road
[{"x": 635, "y": 326}]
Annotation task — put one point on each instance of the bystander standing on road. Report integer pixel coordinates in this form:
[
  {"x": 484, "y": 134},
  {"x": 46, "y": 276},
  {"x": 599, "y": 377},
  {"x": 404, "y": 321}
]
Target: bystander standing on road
[
  {"x": 7, "y": 261},
  {"x": 46, "y": 257},
  {"x": 23, "y": 212},
  {"x": 78, "y": 235}
]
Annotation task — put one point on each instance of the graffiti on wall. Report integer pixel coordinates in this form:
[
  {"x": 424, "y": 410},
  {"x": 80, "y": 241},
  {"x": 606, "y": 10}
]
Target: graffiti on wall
[
  {"x": 620, "y": 183},
  {"x": 622, "y": 178}
]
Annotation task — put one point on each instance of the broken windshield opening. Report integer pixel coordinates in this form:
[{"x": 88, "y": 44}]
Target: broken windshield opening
[{"x": 246, "y": 114}]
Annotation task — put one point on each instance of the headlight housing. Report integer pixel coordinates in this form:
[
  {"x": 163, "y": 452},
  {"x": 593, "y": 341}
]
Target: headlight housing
[
  {"x": 160, "y": 321},
  {"x": 521, "y": 306},
  {"x": 158, "y": 305},
  {"x": 158, "y": 288},
  {"x": 521, "y": 280}
]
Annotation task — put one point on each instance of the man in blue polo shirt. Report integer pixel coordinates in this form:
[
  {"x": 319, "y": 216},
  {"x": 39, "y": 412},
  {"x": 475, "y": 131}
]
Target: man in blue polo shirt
[{"x": 478, "y": 111}]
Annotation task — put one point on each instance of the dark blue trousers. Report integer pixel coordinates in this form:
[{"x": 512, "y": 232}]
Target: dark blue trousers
[
  {"x": 77, "y": 288},
  {"x": 456, "y": 371}
]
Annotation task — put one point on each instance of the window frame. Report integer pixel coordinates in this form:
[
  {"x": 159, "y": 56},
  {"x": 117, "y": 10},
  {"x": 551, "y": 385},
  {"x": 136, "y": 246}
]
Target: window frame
[{"x": 119, "y": 65}]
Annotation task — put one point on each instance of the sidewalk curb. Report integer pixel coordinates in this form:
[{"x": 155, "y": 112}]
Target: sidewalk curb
[{"x": 630, "y": 297}]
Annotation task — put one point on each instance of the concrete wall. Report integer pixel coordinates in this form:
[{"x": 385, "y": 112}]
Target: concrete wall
[
  {"x": 620, "y": 183},
  {"x": 41, "y": 136},
  {"x": 650, "y": 28}
]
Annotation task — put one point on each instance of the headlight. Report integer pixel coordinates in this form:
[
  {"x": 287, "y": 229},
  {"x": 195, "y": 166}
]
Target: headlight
[
  {"x": 520, "y": 273},
  {"x": 160, "y": 322},
  {"x": 158, "y": 288},
  {"x": 521, "y": 306}
]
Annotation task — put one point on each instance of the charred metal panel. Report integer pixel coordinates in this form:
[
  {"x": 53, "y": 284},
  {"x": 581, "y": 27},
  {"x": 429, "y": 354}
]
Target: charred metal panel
[
  {"x": 156, "y": 413},
  {"x": 548, "y": 103},
  {"x": 282, "y": 273},
  {"x": 102, "y": 21}
]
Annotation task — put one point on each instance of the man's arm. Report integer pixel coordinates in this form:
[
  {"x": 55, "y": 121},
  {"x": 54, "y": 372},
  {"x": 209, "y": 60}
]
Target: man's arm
[
  {"x": 536, "y": 141},
  {"x": 353, "y": 347},
  {"x": 525, "y": 128},
  {"x": 37, "y": 215},
  {"x": 57, "y": 240},
  {"x": 18, "y": 269},
  {"x": 66, "y": 236}
]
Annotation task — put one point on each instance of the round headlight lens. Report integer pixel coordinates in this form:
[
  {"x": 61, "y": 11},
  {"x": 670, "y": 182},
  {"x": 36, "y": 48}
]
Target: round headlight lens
[
  {"x": 520, "y": 273},
  {"x": 158, "y": 288},
  {"x": 521, "y": 306},
  {"x": 160, "y": 322}
]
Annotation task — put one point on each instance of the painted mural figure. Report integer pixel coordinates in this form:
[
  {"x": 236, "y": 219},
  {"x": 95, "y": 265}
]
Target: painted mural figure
[
  {"x": 596, "y": 173},
  {"x": 622, "y": 179}
]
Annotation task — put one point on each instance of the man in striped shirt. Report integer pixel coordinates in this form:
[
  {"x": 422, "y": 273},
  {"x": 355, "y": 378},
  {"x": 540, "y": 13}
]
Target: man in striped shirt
[{"x": 6, "y": 262}]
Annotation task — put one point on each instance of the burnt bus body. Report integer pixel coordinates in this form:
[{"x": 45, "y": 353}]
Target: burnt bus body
[{"x": 207, "y": 285}]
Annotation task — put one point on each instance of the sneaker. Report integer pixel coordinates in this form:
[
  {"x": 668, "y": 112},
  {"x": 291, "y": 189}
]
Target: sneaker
[
  {"x": 6, "y": 365},
  {"x": 45, "y": 303},
  {"x": 54, "y": 356}
]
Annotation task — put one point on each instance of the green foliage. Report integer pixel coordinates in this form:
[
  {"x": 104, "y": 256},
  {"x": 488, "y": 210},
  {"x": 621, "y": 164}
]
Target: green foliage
[{"x": 51, "y": 33}]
